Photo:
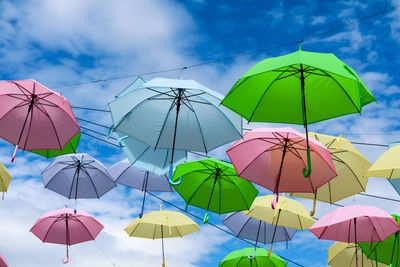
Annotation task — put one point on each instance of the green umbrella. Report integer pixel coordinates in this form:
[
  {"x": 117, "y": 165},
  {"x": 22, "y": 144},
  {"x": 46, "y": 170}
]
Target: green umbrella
[
  {"x": 386, "y": 251},
  {"x": 298, "y": 88},
  {"x": 213, "y": 185},
  {"x": 238, "y": 258},
  {"x": 69, "y": 148}
]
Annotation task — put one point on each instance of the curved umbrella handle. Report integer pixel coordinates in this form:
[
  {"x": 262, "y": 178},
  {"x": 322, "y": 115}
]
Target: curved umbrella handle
[
  {"x": 14, "y": 154},
  {"x": 66, "y": 261},
  {"x": 254, "y": 254},
  {"x": 270, "y": 250},
  {"x": 206, "y": 217},
  {"x": 171, "y": 166},
  {"x": 314, "y": 206},
  {"x": 307, "y": 172},
  {"x": 121, "y": 139},
  {"x": 274, "y": 201}
]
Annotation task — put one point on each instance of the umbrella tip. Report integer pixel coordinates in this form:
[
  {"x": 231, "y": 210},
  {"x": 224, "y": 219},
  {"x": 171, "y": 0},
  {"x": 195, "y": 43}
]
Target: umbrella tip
[
  {"x": 160, "y": 207},
  {"x": 300, "y": 48}
]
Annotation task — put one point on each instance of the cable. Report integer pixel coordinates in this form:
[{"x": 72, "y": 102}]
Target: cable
[
  {"x": 91, "y": 109},
  {"x": 99, "y": 133},
  {"x": 380, "y": 197},
  {"x": 334, "y": 29},
  {"x": 214, "y": 225},
  {"x": 94, "y": 123},
  {"x": 95, "y": 137}
]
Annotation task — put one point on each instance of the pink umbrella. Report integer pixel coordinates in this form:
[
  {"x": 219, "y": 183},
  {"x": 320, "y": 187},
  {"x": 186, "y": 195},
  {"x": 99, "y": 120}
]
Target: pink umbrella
[
  {"x": 3, "y": 262},
  {"x": 354, "y": 224},
  {"x": 33, "y": 117},
  {"x": 65, "y": 227},
  {"x": 275, "y": 158}
]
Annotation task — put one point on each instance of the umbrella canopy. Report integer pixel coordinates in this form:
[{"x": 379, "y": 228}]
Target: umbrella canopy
[
  {"x": 69, "y": 148},
  {"x": 274, "y": 157},
  {"x": 175, "y": 114},
  {"x": 350, "y": 166},
  {"x": 33, "y": 117},
  {"x": 145, "y": 157},
  {"x": 386, "y": 165},
  {"x": 161, "y": 224},
  {"x": 355, "y": 224},
  {"x": 5, "y": 179},
  {"x": 238, "y": 258},
  {"x": 386, "y": 251},
  {"x": 77, "y": 176},
  {"x": 126, "y": 174},
  {"x": 298, "y": 88},
  {"x": 67, "y": 227},
  {"x": 343, "y": 255},
  {"x": 3, "y": 262},
  {"x": 213, "y": 185}
]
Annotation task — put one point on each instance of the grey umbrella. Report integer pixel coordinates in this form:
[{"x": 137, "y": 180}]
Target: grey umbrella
[
  {"x": 126, "y": 174},
  {"x": 250, "y": 228},
  {"x": 77, "y": 176}
]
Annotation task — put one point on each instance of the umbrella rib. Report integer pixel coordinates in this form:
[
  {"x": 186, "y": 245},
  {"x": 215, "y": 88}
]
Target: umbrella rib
[
  {"x": 201, "y": 131},
  {"x": 165, "y": 122},
  {"x": 28, "y": 130},
  {"x": 84, "y": 226},
  {"x": 72, "y": 184},
  {"x": 248, "y": 218},
  {"x": 27, "y": 93},
  {"x": 197, "y": 189},
  {"x": 52, "y": 123},
  {"x": 292, "y": 74},
  {"x": 90, "y": 179},
  {"x": 19, "y": 97},
  {"x": 359, "y": 182},
  {"x": 162, "y": 93},
  {"x": 59, "y": 218}
]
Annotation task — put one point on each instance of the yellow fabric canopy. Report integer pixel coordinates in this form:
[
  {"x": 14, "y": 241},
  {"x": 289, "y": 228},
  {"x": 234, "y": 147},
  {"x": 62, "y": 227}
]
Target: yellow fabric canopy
[
  {"x": 5, "y": 179},
  {"x": 343, "y": 255},
  {"x": 387, "y": 165}
]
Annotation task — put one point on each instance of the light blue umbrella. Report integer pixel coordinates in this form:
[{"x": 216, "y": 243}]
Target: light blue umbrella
[{"x": 175, "y": 114}]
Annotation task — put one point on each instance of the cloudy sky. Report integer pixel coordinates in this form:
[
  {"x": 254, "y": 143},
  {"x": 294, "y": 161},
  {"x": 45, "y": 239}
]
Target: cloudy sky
[{"x": 65, "y": 43}]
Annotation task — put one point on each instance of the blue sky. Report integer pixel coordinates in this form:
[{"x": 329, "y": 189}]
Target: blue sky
[{"x": 66, "y": 42}]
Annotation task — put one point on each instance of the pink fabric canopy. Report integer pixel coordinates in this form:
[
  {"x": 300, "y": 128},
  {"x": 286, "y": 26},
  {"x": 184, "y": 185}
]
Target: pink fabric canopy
[
  {"x": 3, "y": 262},
  {"x": 275, "y": 157}
]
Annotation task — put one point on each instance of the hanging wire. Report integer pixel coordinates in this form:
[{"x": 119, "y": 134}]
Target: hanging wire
[{"x": 91, "y": 109}]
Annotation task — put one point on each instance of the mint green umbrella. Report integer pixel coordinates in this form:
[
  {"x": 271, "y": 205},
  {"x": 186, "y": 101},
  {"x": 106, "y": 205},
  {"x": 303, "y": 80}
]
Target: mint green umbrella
[
  {"x": 298, "y": 88},
  {"x": 69, "y": 148},
  {"x": 213, "y": 185},
  {"x": 238, "y": 258}
]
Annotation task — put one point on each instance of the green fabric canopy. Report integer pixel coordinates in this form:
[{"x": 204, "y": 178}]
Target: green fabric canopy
[
  {"x": 213, "y": 185},
  {"x": 386, "y": 251},
  {"x": 69, "y": 148},
  {"x": 239, "y": 258}
]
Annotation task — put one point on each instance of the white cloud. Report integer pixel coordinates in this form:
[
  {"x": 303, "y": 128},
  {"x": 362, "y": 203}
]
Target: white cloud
[{"x": 316, "y": 20}]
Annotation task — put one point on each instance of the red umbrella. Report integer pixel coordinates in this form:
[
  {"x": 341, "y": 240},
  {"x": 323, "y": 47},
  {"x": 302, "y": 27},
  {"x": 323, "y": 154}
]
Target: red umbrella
[
  {"x": 66, "y": 227},
  {"x": 33, "y": 117},
  {"x": 3, "y": 262}
]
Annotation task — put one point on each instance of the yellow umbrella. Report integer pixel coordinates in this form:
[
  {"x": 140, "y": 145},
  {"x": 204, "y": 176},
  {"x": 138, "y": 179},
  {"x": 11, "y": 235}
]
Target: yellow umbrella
[
  {"x": 5, "y": 179},
  {"x": 342, "y": 255},
  {"x": 350, "y": 166},
  {"x": 387, "y": 165},
  {"x": 288, "y": 212},
  {"x": 161, "y": 224}
]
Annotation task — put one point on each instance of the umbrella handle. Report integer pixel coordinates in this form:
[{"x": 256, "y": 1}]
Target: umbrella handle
[
  {"x": 270, "y": 250},
  {"x": 14, "y": 154},
  {"x": 307, "y": 172},
  {"x": 274, "y": 201},
  {"x": 314, "y": 206},
  {"x": 206, "y": 217},
  {"x": 171, "y": 166},
  {"x": 254, "y": 254},
  {"x": 122, "y": 139},
  {"x": 66, "y": 261}
]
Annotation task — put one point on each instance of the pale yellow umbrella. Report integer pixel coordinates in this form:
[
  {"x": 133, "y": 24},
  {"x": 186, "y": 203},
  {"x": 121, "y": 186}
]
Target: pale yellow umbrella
[
  {"x": 350, "y": 166},
  {"x": 5, "y": 179},
  {"x": 342, "y": 255},
  {"x": 161, "y": 224},
  {"x": 288, "y": 212},
  {"x": 387, "y": 165}
]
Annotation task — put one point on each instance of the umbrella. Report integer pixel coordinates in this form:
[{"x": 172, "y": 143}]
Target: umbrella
[
  {"x": 69, "y": 148},
  {"x": 175, "y": 114},
  {"x": 213, "y": 185},
  {"x": 250, "y": 228},
  {"x": 3, "y": 262},
  {"x": 126, "y": 174},
  {"x": 5, "y": 179},
  {"x": 386, "y": 165},
  {"x": 274, "y": 157},
  {"x": 342, "y": 255},
  {"x": 238, "y": 258},
  {"x": 386, "y": 251},
  {"x": 355, "y": 224},
  {"x": 350, "y": 166},
  {"x": 298, "y": 88},
  {"x": 77, "y": 176},
  {"x": 33, "y": 117},
  {"x": 145, "y": 157},
  {"x": 138, "y": 82},
  {"x": 67, "y": 227},
  {"x": 288, "y": 213},
  {"x": 161, "y": 224}
]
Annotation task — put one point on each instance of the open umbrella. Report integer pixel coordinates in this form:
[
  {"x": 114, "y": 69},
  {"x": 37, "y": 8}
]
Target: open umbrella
[
  {"x": 298, "y": 88},
  {"x": 238, "y": 258},
  {"x": 175, "y": 114},
  {"x": 356, "y": 223},
  {"x": 213, "y": 185},
  {"x": 274, "y": 157},
  {"x": 77, "y": 176},
  {"x": 343, "y": 255},
  {"x": 288, "y": 213},
  {"x": 67, "y": 227},
  {"x": 5, "y": 179},
  {"x": 386, "y": 251},
  {"x": 3, "y": 262},
  {"x": 350, "y": 166},
  {"x": 161, "y": 224},
  {"x": 126, "y": 174},
  {"x": 33, "y": 117},
  {"x": 250, "y": 228},
  {"x": 69, "y": 148}
]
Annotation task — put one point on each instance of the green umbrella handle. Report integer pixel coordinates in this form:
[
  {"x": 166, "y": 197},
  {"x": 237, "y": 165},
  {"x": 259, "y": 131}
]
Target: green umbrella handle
[
  {"x": 307, "y": 172},
  {"x": 171, "y": 167},
  {"x": 206, "y": 217}
]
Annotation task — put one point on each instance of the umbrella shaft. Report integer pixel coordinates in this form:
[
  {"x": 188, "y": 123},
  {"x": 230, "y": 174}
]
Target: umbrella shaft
[
  {"x": 303, "y": 96},
  {"x": 280, "y": 168},
  {"x": 77, "y": 179},
  {"x": 178, "y": 106},
  {"x": 26, "y": 119},
  {"x": 212, "y": 190}
]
